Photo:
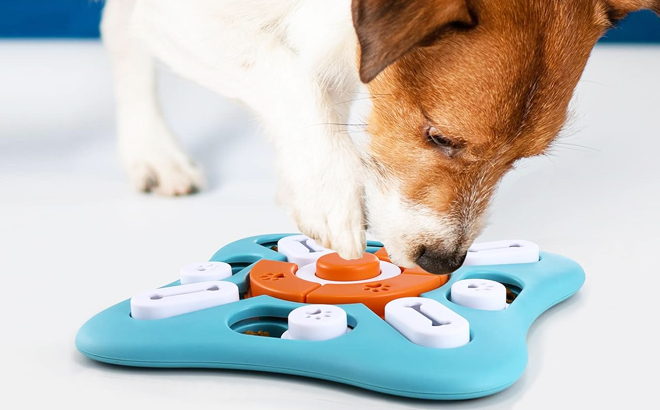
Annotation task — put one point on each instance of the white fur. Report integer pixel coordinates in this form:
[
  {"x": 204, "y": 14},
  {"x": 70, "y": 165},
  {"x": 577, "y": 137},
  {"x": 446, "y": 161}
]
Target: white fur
[
  {"x": 293, "y": 62},
  {"x": 407, "y": 225},
  {"x": 149, "y": 152}
]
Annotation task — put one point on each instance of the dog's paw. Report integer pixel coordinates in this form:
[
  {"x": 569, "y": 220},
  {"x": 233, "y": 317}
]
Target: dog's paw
[
  {"x": 343, "y": 233},
  {"x": 162, "y": 169}
]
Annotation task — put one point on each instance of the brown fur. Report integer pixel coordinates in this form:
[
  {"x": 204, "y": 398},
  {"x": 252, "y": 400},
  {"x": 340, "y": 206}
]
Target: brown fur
[{"x": 494, "y": 77}]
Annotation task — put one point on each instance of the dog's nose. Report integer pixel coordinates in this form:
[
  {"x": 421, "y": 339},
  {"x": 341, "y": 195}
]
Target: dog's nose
[{"x": 439, "y": 261}]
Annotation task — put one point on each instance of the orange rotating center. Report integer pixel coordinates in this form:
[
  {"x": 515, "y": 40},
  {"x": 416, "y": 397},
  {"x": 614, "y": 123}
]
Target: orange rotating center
[{"x": 279, "y": 280}]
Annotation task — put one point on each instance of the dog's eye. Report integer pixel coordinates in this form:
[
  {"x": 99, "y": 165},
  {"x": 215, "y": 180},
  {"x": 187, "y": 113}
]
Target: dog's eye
[{"x": 445, "y": 144}]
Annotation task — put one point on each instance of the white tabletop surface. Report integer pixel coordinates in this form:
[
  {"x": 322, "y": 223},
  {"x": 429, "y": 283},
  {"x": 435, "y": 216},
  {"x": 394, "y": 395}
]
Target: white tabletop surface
[{"x": 75, "y": 239}]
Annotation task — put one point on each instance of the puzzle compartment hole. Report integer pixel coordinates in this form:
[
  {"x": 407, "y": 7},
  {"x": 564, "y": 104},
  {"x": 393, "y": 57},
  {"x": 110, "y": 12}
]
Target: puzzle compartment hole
[
  {"x": 512, "y": 292},
  {"x": 238, "y": 266},
  {"x": 265, "y": 326},
  {"x": 272, "y": 245}
]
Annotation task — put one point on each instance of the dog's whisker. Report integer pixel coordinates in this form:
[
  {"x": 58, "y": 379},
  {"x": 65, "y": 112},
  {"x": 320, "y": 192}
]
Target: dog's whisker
[
  {"x": 336, "y": 124},
  {"x": 341, "y": 124},
  {"x": 373, "y": 94},
  {"x": 368, "y": 97},
  {"x": 548, "y": 156},
  {"x": 574, "y": 146},
  {"x": 353, "y": 100},
  {"x": 593, "y": 82}
]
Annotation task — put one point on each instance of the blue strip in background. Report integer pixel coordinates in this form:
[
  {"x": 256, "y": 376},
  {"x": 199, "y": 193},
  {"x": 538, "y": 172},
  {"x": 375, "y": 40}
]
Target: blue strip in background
[
  {"x": 639, "y": 27},
  {"x": 80, "y": 19},
  {"x": 50, "y": 18}
]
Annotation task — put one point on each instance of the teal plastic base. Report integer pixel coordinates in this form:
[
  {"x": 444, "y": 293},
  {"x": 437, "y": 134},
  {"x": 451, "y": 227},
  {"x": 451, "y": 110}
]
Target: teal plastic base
[{"x": 372, "y": 356}]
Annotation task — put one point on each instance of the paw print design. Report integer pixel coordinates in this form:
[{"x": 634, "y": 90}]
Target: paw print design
[
  {"x": 481, "y": 294},
  {"x": 481, "y": 286},
  {"x": 376, "y": 287},
  {"x": 272, "y": 276}
]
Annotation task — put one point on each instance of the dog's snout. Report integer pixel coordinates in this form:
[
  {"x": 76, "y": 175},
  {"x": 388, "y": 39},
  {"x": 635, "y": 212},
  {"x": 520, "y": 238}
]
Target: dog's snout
[{"x": 440, "y": 261}]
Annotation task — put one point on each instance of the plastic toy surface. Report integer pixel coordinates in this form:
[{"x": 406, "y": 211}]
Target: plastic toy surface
[{"x": 283, "y": 304}]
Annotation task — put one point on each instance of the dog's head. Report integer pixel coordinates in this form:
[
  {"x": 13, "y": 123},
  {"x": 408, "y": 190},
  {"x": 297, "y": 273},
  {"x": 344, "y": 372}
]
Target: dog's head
[{"x": 461, "y": 89}]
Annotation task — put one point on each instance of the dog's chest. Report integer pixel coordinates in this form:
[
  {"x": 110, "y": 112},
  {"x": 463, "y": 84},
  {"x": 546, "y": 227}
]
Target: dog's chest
[{"x": 231, "y": 45}]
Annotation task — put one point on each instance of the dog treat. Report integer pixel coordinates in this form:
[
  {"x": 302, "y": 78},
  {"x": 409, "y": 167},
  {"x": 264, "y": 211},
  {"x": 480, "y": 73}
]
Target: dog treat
[
  {"x": 257, "y": 333},
  {"x": 510, "y": 296}
]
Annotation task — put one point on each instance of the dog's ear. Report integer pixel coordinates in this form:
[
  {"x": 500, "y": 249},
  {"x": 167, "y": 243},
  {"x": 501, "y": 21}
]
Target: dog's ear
[
  {"x": 618, "y": 9},
  {"x": 388, "y": 29}
]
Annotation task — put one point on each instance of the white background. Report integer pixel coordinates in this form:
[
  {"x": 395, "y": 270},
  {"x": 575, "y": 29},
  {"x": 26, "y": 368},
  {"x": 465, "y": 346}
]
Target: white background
[{"x": 74, "y": 238}]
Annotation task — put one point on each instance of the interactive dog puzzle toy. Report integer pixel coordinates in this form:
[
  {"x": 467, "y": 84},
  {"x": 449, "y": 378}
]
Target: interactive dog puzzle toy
[{"x": 283, "y": 304}]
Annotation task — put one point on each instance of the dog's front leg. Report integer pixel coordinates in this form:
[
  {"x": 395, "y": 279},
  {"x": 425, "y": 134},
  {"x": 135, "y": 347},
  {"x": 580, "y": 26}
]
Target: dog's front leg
[
  {"x": 320, "y": 170},
  {"x": 149, "y": 152}
]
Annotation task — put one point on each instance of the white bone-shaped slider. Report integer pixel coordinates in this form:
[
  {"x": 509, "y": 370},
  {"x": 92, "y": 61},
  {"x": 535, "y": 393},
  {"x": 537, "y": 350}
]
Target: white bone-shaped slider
[
  {"x": 427, "y": 322},
  {"x": 502, "y": 253},
  {"x": 481, "y": 294},
  {"x": 204, "y": 272},
  {"x": 301, "y": 249},
  {"x": 316, "y": 322},
  {"x": 178, "y": 300}
]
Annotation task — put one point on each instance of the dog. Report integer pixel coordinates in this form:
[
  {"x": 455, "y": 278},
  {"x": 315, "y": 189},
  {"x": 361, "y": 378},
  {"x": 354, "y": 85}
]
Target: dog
[{"x": 397, "y": 117}]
